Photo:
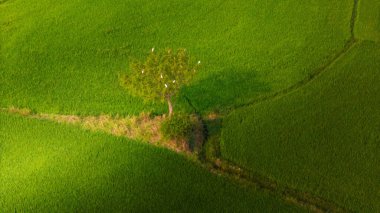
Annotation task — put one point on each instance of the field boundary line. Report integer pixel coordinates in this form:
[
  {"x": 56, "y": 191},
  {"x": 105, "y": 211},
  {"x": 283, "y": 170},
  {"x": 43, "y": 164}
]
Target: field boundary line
[
  {"x": 314, "y": 74},
  {"x": 354, "y": 17},
  {"x": 290, "y": 195},
  {"x": 295, "y": 87}
]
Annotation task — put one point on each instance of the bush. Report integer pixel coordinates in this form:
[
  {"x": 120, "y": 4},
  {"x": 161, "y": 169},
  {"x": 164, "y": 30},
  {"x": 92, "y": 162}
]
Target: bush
[{"x": 177, "y": 126}]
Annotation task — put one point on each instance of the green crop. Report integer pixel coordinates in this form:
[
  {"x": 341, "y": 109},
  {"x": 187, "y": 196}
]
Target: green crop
[
  {"x": 49, "y": 167},
  {"x": 323, "y": 138},
  {"x": 65, "y": 57}
]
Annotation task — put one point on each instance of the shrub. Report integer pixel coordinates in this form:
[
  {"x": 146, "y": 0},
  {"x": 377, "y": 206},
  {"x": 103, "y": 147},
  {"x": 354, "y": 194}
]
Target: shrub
[{"x": 177, "y": 126}]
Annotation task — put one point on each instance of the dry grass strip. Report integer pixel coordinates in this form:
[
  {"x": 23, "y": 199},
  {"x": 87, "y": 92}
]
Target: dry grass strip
[{"x": 143, "y": 127}]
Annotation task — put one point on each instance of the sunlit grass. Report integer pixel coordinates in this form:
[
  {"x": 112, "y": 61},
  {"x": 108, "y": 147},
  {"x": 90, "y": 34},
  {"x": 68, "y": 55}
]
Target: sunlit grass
[{"x": 46, "y": 167}]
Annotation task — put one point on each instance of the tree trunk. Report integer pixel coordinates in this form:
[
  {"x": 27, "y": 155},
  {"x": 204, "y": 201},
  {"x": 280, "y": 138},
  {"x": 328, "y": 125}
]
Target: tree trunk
[{"x": 170, "y": 105}]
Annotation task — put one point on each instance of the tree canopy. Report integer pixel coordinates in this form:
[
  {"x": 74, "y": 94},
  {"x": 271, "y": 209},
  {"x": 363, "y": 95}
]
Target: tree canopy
[{"x": 161, "y": 75}]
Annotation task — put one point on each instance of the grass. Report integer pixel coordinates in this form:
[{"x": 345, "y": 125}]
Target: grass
[
  {"x": 369, "y": 20},
  {"x": 49, "y": 167},
  {"x": 65, "y": 57},
  {"x": 323, "y": 138}
]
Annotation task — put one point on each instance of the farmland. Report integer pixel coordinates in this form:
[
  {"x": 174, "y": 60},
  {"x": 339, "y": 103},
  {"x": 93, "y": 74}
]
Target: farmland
[
  {"x": 287, "y": 91},
  {"x": 50, "y": 167},
  {"x": 332, "y": 138},
  {"x": 327, "y": 131},
  {"x": 65, "y": 57}
]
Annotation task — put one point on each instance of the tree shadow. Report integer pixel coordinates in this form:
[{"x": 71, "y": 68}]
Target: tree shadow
[{"x": 225, "y": 89}]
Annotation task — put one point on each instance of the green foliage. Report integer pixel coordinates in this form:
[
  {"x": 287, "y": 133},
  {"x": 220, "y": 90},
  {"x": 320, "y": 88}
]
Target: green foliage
[
  {"x": 49, "y": 167},
  {"x": 211, "y": 147},
  {"x": 177, "y": 126},
  {"x": 161, "y": 76},
  {"x": 323, "y": 138}
]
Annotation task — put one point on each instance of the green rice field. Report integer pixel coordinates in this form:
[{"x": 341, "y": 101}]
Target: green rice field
[
  {"x": 49, "y": 167},
  {"x": 323, "y": 138},
  {"x": 65, "y": 57},
  {"x": 288, "y": 92}
]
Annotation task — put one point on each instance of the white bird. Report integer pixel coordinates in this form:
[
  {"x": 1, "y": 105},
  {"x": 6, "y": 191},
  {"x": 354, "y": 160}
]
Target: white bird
[
  {"x": 162, "y": 76},
  {"x": 153, "y": 49},
  {"x": 142, "y": 71},
  {"x": 173, "y": 81},
  {"x": 199, "y": 62},
  {"x": 166, "y": 85}
]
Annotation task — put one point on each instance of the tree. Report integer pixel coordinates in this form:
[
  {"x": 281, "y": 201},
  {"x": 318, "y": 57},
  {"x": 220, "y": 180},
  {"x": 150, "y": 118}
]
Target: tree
[{"x": 161, "y": 76}]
